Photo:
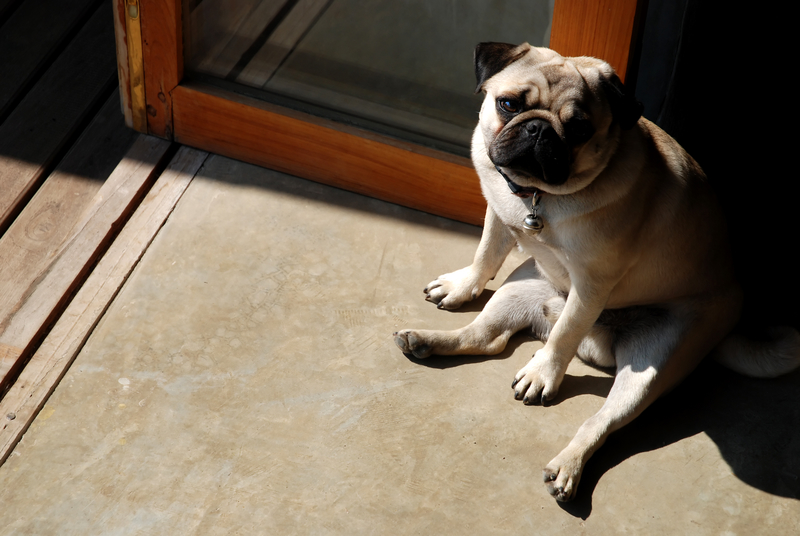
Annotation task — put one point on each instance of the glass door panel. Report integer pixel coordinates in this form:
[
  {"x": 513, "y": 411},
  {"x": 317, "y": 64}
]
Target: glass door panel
[{"x": 400, "y": 67}]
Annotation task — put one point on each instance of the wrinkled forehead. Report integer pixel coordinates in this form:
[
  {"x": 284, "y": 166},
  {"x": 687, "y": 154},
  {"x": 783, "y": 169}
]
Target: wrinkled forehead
[{"x": 543, "y": 78}]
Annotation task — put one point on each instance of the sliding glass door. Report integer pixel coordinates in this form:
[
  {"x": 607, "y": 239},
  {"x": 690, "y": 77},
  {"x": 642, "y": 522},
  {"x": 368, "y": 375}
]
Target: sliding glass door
[{"x": 400, "y": 67}]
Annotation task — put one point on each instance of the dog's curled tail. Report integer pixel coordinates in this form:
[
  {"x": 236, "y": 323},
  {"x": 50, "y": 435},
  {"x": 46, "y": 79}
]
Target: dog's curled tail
[{"x": 775, "y": 352}]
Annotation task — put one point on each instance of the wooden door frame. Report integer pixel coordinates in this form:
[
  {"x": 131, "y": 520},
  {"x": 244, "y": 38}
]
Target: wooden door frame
[{"x": 155, "y": 99}]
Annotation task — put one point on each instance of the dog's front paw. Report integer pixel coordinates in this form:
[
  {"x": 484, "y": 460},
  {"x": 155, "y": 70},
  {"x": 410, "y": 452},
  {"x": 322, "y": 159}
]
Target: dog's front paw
[
  {"x": 450, "y": 291},
  {"x": 539, "y": 380},
  {"x": 412, "y": 344},
  {"x": 561, "y": 478}
]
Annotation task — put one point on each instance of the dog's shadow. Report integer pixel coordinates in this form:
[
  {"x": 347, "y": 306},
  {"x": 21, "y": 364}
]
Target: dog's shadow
[{"x": 754, "y": 423}]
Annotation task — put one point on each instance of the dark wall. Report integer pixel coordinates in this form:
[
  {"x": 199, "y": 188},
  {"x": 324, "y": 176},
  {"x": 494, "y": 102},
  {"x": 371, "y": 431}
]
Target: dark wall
[{"x": 719, "y": 80}]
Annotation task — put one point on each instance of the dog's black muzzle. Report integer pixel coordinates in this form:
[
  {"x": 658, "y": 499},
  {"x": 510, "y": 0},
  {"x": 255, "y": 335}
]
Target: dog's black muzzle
[{"x": 532, "y": 148}]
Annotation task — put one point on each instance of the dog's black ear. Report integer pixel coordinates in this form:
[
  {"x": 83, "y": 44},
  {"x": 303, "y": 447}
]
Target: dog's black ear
[
  {"x": 491, "y": 58},
  {"x": 626, "y": 109}
]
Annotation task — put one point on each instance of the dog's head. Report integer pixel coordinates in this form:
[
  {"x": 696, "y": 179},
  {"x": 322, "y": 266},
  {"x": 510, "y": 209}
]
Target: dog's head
[{"x": 550, "y": 122}]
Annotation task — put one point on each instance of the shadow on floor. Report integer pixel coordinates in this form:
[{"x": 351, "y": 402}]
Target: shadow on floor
[
  {"x": 312, "y": 191},
  {"x": 754, "y": 423}
]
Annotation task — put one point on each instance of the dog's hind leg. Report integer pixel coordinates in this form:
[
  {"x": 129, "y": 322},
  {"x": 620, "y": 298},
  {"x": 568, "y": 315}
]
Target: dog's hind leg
[
  {"x": 654, "y": 353},
  {"x": 631, "y": 393},
  {"x": 516, "y": 305}
]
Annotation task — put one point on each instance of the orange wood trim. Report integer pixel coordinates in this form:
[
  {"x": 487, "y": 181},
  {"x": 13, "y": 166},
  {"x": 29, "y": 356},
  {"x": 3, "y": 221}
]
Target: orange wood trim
[
  {"x": 600, "y": 28},
  {"x": 135, "y": 71},
  {"x": 162, "y": 49},
  {"x": 322, "y": 151}
]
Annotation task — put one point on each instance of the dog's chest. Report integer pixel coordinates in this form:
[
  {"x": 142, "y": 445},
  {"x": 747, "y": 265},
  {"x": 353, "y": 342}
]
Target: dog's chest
[
  {"x": 551, "y": 246},
  {"x": 513, "y": 210}
]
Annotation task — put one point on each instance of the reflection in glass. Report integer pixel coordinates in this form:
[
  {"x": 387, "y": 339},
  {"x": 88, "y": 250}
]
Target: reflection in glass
[{"x": 402, "y": 66}]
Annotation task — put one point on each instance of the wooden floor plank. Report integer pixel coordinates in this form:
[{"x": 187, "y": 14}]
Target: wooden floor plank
[
  {"x": 111, "y": 206},
  {"x": 37, "y": 235},
  {"x": 53, "y": 113},
  {"x": 48, "y": 365},
  {"x": 25, "y": 49},
  {"x": 8, "y": 356}
]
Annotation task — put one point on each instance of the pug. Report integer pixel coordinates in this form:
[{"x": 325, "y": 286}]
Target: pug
[{"x": 629, "y": 263}]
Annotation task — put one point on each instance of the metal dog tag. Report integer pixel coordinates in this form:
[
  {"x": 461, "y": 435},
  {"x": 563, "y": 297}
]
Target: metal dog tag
[{"x": 533, "y": 223}]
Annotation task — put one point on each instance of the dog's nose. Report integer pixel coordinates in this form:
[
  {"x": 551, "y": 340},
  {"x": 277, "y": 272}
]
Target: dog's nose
[{"x": 537, "y": 127}]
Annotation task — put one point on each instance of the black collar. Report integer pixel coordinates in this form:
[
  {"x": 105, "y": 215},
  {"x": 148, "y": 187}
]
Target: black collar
[{"x": 516, "y": 189}]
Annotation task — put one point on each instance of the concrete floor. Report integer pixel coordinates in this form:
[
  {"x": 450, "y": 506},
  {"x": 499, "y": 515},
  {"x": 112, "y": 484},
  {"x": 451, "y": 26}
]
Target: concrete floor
[{"x": 245, "y": 381}]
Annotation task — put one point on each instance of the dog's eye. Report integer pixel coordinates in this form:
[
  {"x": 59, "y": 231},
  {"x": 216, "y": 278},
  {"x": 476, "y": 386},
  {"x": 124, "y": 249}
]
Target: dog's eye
[{"x": 510, "y": 106}]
